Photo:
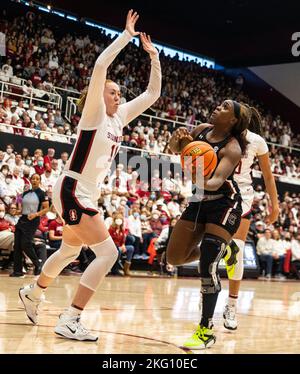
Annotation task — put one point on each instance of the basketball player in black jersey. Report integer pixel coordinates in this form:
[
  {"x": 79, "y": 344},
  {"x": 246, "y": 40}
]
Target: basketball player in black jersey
[{"x": 216, "y": 217}]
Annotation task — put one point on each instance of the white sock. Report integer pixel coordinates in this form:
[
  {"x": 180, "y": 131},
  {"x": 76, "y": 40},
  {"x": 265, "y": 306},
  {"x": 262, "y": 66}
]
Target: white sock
[
  {"x": 232, "y": 301},
  {"x": 37, "y": 291},
  {"x": 73, "y": 312}
]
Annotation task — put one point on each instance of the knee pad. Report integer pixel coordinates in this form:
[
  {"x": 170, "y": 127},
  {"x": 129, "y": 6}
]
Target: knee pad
[
  {"x": 106, "y": 255},
  {"x": 212, "y": 249},
  {"x": 238, "y": 268},
  {"x": 60, "y": 259}
]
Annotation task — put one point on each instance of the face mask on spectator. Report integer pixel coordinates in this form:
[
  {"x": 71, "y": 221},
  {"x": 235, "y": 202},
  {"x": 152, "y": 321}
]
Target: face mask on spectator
[
  {"x": 28, "y": 162},
  {"x": 114, "y": 202},
  {"x": 8, "y": 180},
  {"x": 118, "y": 222},
  {"x": 152, "y": 196},
  {"x": 163, "y": 219},
  {"x": 8, "y": 151},
  {"x": 51, "y": 215},
  {"x": 40, "y": 163},
  {"x": 155, "y": 216},
  {"x": 2, "y": 214},
  {"x": 123, "y": 203},
  {"x": 136, "y": 215},
  {"x": 143, "y": 217}
]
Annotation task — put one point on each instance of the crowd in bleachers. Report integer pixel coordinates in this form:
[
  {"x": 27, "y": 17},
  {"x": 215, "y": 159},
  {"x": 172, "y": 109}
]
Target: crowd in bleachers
[
  {"x": 46, "y": 57},
  {"x": 133, "y": 215}
]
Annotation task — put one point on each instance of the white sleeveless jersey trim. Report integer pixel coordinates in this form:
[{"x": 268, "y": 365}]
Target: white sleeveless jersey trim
[{"x": 256, "y": 147}]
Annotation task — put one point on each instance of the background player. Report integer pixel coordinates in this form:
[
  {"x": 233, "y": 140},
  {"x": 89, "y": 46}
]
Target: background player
[
  {"x": 76, "y": 191},
  {"x": 256, "y": 147}
]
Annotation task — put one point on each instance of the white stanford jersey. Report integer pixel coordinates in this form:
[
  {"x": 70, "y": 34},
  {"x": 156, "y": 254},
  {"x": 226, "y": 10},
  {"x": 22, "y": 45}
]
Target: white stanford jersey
[
  {"x": 100, "y": 135},
  {"x": 256, "y": 147}
]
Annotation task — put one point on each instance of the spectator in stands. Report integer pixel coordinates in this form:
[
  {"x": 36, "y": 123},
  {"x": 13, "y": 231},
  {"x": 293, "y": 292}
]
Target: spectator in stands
[
  {"x": 55, "y": 232},
  {"x": 265, "y": 250},
  {"x": 295, "y": 247},
  {"x": 118, "y": 235},
  {"x": 279, "y": 252},
  {"x": 39, "y": 165},
  {"x": 135, "y": 229},
  {"x": 63, "y": 160},
  {"x": 48, "y": 158},
  {"x": 12, "y": 215},
  {"x": 34, "y": 205},
  {"x": 6, "y": 231}
]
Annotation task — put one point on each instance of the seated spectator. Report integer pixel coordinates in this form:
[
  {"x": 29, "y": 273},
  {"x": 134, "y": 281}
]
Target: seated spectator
[
  {"x": 295, "y": 247},
  {"x": 118, "y": 235},
  {"x": 12, "y": 215},
  {"x": 265, "y": 250},
  {"x": 6, "y": 232},
  {"x": 55, "y": 232},
  {"x": 161, "y": 246},
  {"x": 279, "y": 254}
]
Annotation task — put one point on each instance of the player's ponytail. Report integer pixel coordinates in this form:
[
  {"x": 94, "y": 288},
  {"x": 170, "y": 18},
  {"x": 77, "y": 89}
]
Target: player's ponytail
[
  {"x": 255, "y": 124},
  {"x": 238, "y": 130},
  {"x": 81, "y": 101}
]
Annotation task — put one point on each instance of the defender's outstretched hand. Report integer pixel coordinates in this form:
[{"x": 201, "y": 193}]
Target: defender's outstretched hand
[
  {"x": 131, "y": 19},
  {"x": 147, "y": 44}
]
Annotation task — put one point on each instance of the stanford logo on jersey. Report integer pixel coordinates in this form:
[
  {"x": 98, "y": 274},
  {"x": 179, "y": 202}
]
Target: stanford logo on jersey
[{"x": 73, "y": 215}]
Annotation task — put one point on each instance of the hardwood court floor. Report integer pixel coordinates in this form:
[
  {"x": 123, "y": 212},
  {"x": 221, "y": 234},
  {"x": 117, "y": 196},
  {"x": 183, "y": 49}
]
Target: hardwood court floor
[{"x": 153, "y": 315}]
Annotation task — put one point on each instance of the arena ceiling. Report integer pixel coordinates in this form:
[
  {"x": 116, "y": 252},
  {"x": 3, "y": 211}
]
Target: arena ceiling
[{"x": 234, "y": 32}]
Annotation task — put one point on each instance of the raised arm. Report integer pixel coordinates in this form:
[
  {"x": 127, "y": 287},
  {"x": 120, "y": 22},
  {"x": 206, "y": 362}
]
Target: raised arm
[
  {"x": 137, "y": 106},
  {"x": 94, "y": 107}
]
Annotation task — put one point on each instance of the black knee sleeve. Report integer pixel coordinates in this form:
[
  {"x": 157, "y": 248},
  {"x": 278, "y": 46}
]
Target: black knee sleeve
[{"x": 212, "y": 249}]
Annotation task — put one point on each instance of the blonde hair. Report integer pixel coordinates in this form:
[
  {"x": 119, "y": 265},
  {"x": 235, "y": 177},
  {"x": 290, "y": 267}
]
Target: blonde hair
[{"x": 81, "y": 101}]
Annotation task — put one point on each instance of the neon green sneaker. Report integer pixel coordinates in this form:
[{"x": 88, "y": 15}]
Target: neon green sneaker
[
  {"x": 202, "y": 338},
  {"x": 230, "y": 258}
]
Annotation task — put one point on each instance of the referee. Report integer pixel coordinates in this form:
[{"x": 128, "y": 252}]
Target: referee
[{"x": 34, "y": 205}]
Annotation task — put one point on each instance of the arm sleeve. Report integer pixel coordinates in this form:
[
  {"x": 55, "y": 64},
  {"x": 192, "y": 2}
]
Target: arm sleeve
[
  {"x": 137, "y": 106},
  {"x": 94, "y": 107},
  {"x": 262, "y": 147}
]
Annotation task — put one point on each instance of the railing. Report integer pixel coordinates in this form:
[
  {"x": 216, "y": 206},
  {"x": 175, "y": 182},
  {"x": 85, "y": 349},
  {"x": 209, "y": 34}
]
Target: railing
[
  {"x": 70, "y": 139},
  {"x": 7, "y": 89},
  {"x": 72, "y": 110}
]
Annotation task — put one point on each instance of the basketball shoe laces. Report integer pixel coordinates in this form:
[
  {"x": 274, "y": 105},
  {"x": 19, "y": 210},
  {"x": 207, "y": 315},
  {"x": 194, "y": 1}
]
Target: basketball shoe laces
[
  {"x": 200, "y": 333},
  {"x": 80, "y": 329},
  {"x": 230, "y": 312}
]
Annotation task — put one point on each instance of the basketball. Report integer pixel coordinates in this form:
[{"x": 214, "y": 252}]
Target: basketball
[{"x": 199, "y": 149}]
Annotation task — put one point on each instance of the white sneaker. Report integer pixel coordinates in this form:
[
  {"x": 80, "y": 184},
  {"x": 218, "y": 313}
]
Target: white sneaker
[
  {"x": 70, "y": 327},
  {"x": 230, "y": 321},
  {"x": 31, "y": 304}
]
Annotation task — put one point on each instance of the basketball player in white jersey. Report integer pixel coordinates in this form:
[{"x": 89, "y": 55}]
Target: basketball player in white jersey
[
  {"x": 256, "y": 148},
  {"x": 75, "y": 194}
]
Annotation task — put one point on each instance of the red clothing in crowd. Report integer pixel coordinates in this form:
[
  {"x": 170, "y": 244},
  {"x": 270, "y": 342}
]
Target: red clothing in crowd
[
  {"x": 39, "y": 169},
  {"x": 118, "y": 236},
  {"x": 5, "y": 225},
  {"x": 47, "y": 162},
  {"x": 57, "y": 227},
  {"x": 35, "y": 79}
]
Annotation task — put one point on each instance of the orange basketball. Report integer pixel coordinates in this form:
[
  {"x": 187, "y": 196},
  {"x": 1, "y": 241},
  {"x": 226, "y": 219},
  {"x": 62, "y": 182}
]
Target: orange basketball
[{"x": 192, "y": 151}]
